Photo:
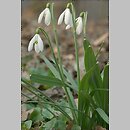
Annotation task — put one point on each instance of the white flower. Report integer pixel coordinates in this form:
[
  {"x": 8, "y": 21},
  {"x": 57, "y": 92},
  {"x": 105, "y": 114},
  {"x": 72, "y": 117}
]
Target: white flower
[
  {"x": 37, "y": 42},
  {"x": 79, "y": 27},
  {"x": 47, "y": 14},
  {"x": 67, "y": 16}
]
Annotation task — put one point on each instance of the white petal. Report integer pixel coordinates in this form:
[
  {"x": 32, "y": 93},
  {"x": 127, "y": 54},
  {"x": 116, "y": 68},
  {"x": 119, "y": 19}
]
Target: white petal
[
  {"x": 60, "y": 20},
  {"x": 47, "y": 17},
  {"x": 67, "y": 16},
  {"x": 41, "y": 15},
  {"x": 79, "y": 26},
  {"x": 68, "y": 27},
  {"x": 37, "y": 48},
  {"x": 71, "y": 22},
  {"x": 40, "y": 43},
  {"x": 30, "y": 46}
]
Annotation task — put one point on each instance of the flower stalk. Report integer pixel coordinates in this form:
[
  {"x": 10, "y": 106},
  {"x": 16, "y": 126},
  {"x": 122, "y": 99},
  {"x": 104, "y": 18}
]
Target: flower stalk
[
  {"x": 76, "y": 43},
  {"x": 60, "y": 62},
  {"x": 84, "y": 23}
]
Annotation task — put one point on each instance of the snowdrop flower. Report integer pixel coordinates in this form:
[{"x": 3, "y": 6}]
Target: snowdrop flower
[
  {"x": 37, "y": 42},
  {"x": 47, "y": 14},
  {"x": 67, "y": 17},
  {"x": 79, "y": 26}
]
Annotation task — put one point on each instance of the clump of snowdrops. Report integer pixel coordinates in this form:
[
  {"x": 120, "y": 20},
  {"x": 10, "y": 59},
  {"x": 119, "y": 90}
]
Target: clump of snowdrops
[{"x": 92, "y": 90}]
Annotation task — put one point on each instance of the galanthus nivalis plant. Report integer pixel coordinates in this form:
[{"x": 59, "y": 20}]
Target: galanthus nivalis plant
[{"x": 92, "y": 89}]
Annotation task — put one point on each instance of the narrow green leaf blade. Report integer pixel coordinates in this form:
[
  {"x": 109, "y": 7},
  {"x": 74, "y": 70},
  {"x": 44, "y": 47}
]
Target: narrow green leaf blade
[
  {"x": 70, "y": 79},
  {"x": 106, "y": 77},
  {"x": 103, "y": 115},
  {"x": 106, "y": 86},
  {"x": 89, "y": 57},
  {"x": 83, "y": 100},
  {"x": 51, "y": 67},
  {"x": 46, "y": 80},
  {"x": 95, "y": 80}
]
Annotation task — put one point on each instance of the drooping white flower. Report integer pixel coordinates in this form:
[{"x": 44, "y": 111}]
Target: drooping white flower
[
  {"x": 79, "y": 26},
  {"x": 47, "y": 14},
  {"x": 66, "y": 16},
  {"x": 37, "y": 42}
]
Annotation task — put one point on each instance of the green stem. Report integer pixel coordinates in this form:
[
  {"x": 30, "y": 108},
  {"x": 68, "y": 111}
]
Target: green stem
[
  {"x": 49, "y": 41},
  {"x": 76, "y": 44},
  {"x": 60, "y": 62},
  {"x": 84, "y": 24},
  {"x": 56, "y": 41}
]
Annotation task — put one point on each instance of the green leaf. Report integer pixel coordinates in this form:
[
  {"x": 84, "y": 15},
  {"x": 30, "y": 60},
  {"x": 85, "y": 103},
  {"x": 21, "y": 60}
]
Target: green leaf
[
  {"x": 76, "y": 127},
  {"x": 47, "y": 114},
  {"x": 106, "y": 77},
  {"x": 103, "y": 115},
  {"x": 36, "y": 115},
  {"x": 50, "y": 124},
  {"x": 60, "y": 125},
  {"x": 106, "y": 86},
  {"x": 84, "y": 98},
  {"x": 28, "y": 124},
  {"x": 23, "y": 126},
  {"x": 46, "y": 80},
  {"x": 65, "y": 104},
  {"x": 30, "y": 106},
  {"x": 89, "y": 57},
  {"x": 97, "y": 90},
  {"x": 95, "y": 81},
  {"x": 56, "y": 74},
  {"x": 70, "y": 79},
  {"x": 51, "y": 67}
]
